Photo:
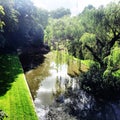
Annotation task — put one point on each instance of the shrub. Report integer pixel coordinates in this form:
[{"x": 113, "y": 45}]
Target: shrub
[{"x": 102, "y": 87}]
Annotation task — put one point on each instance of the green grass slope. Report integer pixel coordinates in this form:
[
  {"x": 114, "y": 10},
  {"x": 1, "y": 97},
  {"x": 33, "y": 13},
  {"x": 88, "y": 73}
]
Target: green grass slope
[{"x": 15, "y": 98}]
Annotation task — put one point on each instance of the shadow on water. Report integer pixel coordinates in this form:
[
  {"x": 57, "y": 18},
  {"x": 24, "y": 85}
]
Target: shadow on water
[
  {"x": 9, "y": 69},
  {"x": 32, "y": 56},
  {"x": 30, "y": 62},
  {"x": 36, "y": 75}
]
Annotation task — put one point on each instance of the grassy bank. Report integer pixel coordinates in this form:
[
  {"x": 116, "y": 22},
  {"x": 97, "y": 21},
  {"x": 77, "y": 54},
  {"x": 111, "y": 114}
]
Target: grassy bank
[{"x": 15, "y": 99}]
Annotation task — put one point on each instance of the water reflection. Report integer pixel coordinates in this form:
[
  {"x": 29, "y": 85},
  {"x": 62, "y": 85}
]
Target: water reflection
[
  {"x": 50, "y": 79},
  {"x": 35, "y": 76},
  {"x": 53, "y": 83}
]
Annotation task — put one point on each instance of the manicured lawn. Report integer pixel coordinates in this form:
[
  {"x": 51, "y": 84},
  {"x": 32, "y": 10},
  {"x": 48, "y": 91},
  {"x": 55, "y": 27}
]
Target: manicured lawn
[{"x": 15, "y": 99}]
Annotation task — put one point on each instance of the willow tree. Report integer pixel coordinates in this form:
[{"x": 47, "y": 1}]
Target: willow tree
[
  {"x": 102, "y": 41},
  {"x": 106, "y": 31}
]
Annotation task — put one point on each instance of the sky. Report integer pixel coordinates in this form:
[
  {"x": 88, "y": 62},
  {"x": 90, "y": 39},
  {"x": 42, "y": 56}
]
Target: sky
[{"x": 76, "y": 6}]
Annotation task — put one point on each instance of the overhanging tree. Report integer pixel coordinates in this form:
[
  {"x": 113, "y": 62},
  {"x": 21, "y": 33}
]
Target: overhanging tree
[
  {"x": 106, "y": 30},
  {"x": 103, "y": 43}
]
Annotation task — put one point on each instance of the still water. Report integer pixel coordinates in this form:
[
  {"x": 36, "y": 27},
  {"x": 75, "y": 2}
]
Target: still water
[{"x": 51, "y": 78}]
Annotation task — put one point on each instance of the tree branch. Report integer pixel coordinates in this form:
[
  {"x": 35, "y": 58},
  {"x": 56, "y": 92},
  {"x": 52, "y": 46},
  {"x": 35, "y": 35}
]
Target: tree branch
[
  {"x": 111, "y": 43},
  {"x": 94, "y": 55},
  {"x": 99, "y": 41},
  {"x": 115, "y": 69}
]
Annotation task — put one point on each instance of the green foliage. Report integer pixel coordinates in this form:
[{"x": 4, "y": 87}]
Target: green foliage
[
  {"x": 102, "y": 87},
  {"x": 41, "y": 16},
  {"x": 113, "y": 61},
  {"x": 88, "y": 62},
  {"x": 87, "y": 18},
  {"x": 24, "y": 23},
  {"x": 59, "y": 13},
  {"x": 63, "y": 30},
  {"x": 2, "y": 13},
  {"x": 2, "y": 10},
  {"x": 33, "y": 19},
  {"x": 115, "y": 56},
  {"x": 88, "y": 38},
  {"x": 11, "y": 15}
]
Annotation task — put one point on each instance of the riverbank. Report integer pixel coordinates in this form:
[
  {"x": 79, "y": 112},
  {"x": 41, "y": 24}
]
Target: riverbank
[{"x": 15, "y": 98}]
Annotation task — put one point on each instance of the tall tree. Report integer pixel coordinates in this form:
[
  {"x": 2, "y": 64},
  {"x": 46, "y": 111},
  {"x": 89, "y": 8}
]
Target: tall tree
[
  {"x": 106, "y": 31},
  {"x": 24, "y": 23},
  {"x": 103, "y": 43}
]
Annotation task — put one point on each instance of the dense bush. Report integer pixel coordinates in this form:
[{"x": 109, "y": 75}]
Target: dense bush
[{"x": 102, "y": 86}]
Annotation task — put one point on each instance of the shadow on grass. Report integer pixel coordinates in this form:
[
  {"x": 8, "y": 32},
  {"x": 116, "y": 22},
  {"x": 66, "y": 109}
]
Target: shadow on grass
[{"x": 9, "y": 69}]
